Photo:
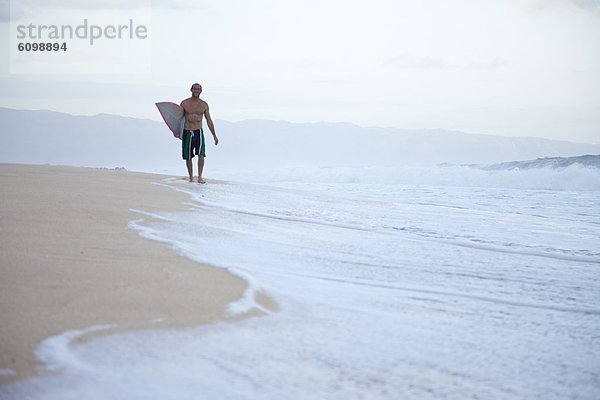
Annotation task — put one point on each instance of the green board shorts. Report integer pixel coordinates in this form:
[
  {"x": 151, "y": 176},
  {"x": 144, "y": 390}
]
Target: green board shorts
[{"x": 192, "y": 142}]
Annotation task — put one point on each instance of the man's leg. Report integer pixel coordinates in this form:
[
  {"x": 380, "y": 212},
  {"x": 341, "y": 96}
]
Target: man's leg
[
  {"x": 187, "y": 152},
  {"x": 200, "y": 168},
  {"x": 190, "y": 168}
]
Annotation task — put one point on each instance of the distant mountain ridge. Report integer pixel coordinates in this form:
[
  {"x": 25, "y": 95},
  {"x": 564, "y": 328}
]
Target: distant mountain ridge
[
  {"x": 104, "y": 140},
  {"x": 392, "y": 146}
]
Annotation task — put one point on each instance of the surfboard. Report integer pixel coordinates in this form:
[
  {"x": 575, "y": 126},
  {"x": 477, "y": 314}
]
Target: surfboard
[{"x": 173, "y": 116}]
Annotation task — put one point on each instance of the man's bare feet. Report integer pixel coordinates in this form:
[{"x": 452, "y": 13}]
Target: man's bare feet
[
  {"x": 191, "y": 179},
  {"x": 201, "y": 180}
]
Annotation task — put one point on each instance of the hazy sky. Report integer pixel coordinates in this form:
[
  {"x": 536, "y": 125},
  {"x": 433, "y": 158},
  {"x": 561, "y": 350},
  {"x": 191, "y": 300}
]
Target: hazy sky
[{"x": 507, "y": 67}]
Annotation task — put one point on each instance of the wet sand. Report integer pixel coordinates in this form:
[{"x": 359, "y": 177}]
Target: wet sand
[{"x": 69, "y": 261}]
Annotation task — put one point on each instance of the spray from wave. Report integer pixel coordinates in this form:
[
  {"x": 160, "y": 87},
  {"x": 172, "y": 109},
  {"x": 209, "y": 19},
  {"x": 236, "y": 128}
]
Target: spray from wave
[{"x": 570, "y": 173}]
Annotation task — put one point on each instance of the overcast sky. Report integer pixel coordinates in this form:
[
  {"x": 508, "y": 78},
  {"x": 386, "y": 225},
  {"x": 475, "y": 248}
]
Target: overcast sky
[{"x": 507, "y": 67}]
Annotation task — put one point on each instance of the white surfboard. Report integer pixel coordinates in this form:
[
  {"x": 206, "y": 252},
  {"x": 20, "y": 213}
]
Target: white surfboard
[{"x": 173, "y": 116}]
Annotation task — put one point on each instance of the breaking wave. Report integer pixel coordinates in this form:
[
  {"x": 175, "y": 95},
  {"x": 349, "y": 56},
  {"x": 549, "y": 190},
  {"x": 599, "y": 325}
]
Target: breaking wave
[{"x": 572, "y": 173}]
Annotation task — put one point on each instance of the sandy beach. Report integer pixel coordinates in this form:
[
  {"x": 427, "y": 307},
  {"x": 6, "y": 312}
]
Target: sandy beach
[{"x": 69, "y": 261}]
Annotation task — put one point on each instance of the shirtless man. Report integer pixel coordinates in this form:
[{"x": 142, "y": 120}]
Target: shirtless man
[{"x": 193, "y": 135}]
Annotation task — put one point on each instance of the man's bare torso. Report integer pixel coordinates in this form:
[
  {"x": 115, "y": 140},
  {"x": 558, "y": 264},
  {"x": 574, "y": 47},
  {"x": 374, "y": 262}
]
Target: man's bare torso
[{"x": 194, "y": 111}]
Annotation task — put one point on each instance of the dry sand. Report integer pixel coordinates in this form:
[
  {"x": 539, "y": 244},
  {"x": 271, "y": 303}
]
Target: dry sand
[{"x": 69, "y": 261}]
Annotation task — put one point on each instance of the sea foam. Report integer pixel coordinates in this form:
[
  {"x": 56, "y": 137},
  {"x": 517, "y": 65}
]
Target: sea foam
[
  {"x": 386, "y": 290},
  {"x": 571, "y": 177}
]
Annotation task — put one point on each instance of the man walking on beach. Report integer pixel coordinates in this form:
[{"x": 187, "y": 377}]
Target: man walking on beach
[{"x": 193, "y": 135}]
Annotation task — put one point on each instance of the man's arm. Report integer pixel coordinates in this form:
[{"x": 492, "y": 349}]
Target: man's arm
[
  {"x": 182, "y": 106},
  {"x": 210, "y": 124}
]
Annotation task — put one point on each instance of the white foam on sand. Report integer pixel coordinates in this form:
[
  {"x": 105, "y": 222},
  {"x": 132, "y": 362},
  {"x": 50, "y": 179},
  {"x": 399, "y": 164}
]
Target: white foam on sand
[
  {"x": 7, "y": 372},
  {"x": 385, "y": 290},
  {"x": 55, "y": 354}
]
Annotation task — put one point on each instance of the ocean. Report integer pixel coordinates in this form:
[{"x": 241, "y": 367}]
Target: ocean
[{"x": 445, "y": 282}]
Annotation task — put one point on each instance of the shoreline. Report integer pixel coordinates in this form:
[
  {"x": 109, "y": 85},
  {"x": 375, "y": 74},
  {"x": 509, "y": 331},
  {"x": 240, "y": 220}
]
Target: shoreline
[{"x": 69, "y": 260}]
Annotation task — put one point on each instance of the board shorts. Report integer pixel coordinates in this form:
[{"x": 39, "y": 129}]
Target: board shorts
[{"x": 192, "y": 142}]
